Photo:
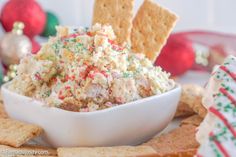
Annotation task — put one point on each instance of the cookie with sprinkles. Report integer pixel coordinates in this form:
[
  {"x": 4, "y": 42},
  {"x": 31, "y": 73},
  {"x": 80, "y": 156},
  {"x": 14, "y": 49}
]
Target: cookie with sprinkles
[{"x": 217, "y": 133}]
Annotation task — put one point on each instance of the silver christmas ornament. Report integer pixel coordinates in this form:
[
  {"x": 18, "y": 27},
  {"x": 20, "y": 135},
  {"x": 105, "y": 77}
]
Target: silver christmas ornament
[{"x": 14, "y": 45}]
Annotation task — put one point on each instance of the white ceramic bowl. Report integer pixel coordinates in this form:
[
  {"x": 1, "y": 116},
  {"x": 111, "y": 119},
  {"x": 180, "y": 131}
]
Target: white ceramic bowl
[{"x": 128, "y": 124}]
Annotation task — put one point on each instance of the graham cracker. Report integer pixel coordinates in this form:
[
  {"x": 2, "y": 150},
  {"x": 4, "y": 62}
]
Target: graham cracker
[
  {"x": 178, "y": 142},
  {"x": 36, "y": 156},
  {"x": 3, "y": 113},
  {"x": 192, "y": 95},
  {"x": 183, "y": 110},
  {"x": 152, "y": 26},
  {"x": 193, "y": 120},
  {"x": 124, "y": 151},
  {"x": 118, "y": 14},
  {"x": 27, "y": 150},
  {"x": 15, "y": 133}
]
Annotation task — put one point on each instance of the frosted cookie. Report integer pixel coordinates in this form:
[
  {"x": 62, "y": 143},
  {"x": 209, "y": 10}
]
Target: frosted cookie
[{"x": 217, "y": 133}]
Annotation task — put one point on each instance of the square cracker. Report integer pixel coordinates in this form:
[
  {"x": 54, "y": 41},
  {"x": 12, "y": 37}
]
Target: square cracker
[
  {"x": 15, "y": 133},
  {"x": 178, "y": 142},
  {"x": 124, "y": 151},
  {"x": 118, "y": 14},
  {"x": 151, "y": 28},
  {"x": 27, "y": 150}
]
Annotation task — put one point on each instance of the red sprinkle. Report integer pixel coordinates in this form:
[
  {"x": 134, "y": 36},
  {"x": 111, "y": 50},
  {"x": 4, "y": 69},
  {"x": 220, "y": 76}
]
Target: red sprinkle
[
  {"x": 72, "y": 35},
  {"x": 111, "y": 41},
  {"x": 104, "y": 73},
  {"x": 110, "y": 91},
  {"x": 67, "y": 87},
  {"x": 91, "y": 75},
  {"x": 60, "y": 95},
  {"x": 73, "y": 77},
  {"x": 54, "y": 79},
  {"x": 118, "y": 99},
  {"x": 227, "y": 94},
  {"x": 90, "y": 49},
  {"x": 95, "y": 71},
  {"x": 67, "y": 77},
  {"x": 84, "y": 74},
  {"x": 117, "y": 48},
  {"x": 217, "y": 143},
  {"x": 232, "y": 75},
  {"x": 224, "y": 120},
  {"x": 85, "y": 109},
  {"x": 38, "y": 77},
  {"x": 89, "y": 34}
]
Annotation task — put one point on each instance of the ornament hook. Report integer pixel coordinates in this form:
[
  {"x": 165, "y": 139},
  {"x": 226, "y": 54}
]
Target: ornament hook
[{"x": 18, "y": 27}]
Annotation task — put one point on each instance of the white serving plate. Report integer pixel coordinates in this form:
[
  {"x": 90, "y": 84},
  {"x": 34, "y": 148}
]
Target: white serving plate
[{"x": 128, "y": 124}]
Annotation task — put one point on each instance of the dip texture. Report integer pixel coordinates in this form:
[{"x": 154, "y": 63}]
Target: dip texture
[{"x": 84, "y": 70}]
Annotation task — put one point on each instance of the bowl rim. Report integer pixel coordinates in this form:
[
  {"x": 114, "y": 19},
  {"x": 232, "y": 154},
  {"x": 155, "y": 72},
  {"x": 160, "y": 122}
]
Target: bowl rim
[{"x": 39, "y": 103}]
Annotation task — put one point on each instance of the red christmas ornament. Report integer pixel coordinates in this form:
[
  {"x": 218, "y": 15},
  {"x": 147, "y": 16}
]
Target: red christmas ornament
[
  {"x": 27, "y": 11},
  {"x": 177, "y": 56}
]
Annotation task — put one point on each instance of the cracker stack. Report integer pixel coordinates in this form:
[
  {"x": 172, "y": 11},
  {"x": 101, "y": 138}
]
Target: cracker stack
[
  {"x": 118, "y": 14},
  {"x": 151, "y": 28}
]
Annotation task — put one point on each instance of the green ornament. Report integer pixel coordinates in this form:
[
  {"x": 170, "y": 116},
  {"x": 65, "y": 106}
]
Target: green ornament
[{"x": 50, "y": 26}]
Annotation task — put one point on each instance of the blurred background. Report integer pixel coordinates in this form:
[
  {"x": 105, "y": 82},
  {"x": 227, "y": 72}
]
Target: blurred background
[
  {"x": 194, "y": 14},
  {"x": 202, "y": 38}
]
